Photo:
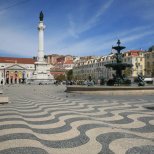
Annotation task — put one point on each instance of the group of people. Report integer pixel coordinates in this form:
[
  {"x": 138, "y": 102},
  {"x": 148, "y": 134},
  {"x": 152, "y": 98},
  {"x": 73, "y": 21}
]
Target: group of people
[{"x": 75, "y": 82}]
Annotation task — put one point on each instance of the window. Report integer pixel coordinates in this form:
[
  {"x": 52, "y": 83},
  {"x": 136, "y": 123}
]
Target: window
[
  {"x": 148, "y": 64},
  {"x": 137, "y": 65},
  {"x": 140, "y": 66}
]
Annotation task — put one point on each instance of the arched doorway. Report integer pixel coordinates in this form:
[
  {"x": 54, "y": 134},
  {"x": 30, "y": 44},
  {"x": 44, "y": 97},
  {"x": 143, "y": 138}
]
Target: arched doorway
[
  {"x": 16, "y": 77},
  {"x": 7, "y": 77},
  {"x": 23, "y": 76},
  {"x": 20, "y": 76},
  {"x": 11, "y": 77},
  {"x": 11, "y": 81}
]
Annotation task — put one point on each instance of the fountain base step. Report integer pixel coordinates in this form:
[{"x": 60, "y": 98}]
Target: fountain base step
[{"x": 112, "y": 90}]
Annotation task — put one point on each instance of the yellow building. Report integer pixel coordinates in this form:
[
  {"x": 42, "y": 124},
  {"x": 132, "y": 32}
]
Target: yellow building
[
  {"x": 135, "y": 57},
  {"x": 149, "y": 62}
]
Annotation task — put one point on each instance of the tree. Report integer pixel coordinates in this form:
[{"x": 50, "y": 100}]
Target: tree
[
  {"x": 70, "y": 75},
  {"x": 60, "y": 77}
]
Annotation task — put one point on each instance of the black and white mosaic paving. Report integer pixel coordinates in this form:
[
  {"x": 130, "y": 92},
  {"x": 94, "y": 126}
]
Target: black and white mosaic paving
[{"x": 46, "y": 120}]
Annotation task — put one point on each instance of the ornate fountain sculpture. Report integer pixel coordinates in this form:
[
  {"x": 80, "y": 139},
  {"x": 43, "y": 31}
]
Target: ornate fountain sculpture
[{"x": 118, "y": 66}]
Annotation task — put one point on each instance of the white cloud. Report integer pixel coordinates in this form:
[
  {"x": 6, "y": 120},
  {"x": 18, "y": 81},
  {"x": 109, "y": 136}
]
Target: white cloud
[
  {"x": 137, "y": 36},
  {"x": 25, "y": 43},
  {"x": 76, "y": 27},
  {"x": 22, "y": 43},
  {"x": 58, "y": 41},
  {"x": 103, "y": 9},
  {"x": 95, "y": 45}
]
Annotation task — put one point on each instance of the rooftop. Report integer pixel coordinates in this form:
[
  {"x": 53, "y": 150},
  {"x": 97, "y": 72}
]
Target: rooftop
[{"x": 17, "y": 60}]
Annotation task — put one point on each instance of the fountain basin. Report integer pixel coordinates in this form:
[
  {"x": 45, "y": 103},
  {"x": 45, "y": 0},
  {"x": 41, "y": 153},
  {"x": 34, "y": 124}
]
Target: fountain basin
[{"x": 112, "y": 90}]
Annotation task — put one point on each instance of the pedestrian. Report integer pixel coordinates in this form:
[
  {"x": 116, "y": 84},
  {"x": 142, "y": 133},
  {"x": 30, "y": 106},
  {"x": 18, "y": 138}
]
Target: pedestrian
[{"x": 2, "y": 81}]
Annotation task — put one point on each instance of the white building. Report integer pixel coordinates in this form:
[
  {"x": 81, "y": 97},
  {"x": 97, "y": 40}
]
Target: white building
[
  {"x": 15, "y": 70},
  {"x": 94, "y": 67}
]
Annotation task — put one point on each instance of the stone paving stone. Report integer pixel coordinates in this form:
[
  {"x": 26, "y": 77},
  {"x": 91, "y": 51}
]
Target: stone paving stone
[{"x": 44, "y": 120}]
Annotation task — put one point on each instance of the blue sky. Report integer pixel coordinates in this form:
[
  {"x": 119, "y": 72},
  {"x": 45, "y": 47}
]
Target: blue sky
[{"x": 76, "y": 27}]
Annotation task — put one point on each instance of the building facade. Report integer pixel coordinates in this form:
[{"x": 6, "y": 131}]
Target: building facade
[
  {"x": 149, "y": 62},
  {"x": 93, "y": 67},
  {"x": 15, "y": 70},
  {"x": 61, "y": 64},
  {"x": 136, "y": 58}
]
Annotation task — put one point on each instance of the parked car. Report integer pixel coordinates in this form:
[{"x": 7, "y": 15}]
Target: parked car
[{"x": 148, "y": 80}]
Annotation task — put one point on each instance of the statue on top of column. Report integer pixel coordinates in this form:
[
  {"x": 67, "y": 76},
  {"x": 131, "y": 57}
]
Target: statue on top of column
[{"x": 41, "y": 16}]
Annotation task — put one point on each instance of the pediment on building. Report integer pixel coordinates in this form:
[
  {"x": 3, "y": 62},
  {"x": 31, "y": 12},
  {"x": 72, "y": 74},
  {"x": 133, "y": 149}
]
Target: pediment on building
[{"x": 15, "y": 67}]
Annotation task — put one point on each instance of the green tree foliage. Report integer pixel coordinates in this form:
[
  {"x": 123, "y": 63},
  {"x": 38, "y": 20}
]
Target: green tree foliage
[
  {"x": 60, "y": 77},
  {"x": 70, "y": 75}
]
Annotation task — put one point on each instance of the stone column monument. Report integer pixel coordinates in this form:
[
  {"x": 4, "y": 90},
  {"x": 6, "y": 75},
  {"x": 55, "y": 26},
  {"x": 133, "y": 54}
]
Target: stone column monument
[
  {"x": 41, "y": 28},
  {"x": 41, "y": 75}
]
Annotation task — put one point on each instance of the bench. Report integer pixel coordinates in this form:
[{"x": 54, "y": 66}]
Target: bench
[{"x": 4, "y": 100}]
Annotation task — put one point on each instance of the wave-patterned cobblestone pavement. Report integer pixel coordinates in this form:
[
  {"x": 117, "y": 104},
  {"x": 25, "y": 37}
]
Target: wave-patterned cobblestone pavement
[{"x": 45, "y": 120}]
